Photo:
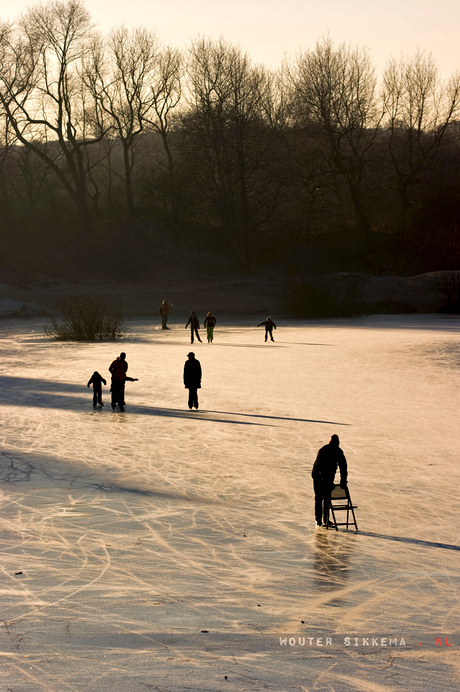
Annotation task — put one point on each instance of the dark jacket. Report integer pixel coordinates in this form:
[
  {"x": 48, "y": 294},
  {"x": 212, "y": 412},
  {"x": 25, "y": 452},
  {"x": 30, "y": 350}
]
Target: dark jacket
[
  {"x": 118, "y": 369},
  {"x": 96, "y": 380},
  {"x": 193, "y": 322},
  {"x": 210, "y": 321},
  {"x": 192, "y": 374},
  {"x": 165, "y": 309},
  {"x": 328, "y": 458},
  {"x": 268, "y": 324}
]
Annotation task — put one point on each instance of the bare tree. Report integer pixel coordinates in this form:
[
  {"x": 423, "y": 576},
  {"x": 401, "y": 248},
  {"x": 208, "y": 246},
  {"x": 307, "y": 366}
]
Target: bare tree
[
  {"x": 334, "y": 101},
  {"x": 121, "y": 74},
  {"x": 7, "y": 140},
  {"x": 43, "y": 95},
  {"x": 166, "y": 91},
  {"x": 227, "y": 126},
  {"x": 420, "y": 114}
]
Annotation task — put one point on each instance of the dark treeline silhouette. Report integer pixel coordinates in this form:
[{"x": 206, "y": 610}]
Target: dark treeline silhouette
[{"x": 113, "y": 147}]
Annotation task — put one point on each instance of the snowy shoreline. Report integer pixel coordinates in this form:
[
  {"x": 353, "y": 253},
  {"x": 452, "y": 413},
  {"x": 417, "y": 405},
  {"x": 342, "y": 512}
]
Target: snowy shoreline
[{"x": 242, "y": 296}]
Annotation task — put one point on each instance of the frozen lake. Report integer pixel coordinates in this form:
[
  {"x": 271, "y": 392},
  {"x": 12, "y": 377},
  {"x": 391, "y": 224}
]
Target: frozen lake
[{"x": 172, "y": 550}]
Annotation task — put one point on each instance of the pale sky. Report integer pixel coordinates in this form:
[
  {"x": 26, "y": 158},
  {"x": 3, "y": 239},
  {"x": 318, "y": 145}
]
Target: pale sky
[{"x": 268, "y": 29}]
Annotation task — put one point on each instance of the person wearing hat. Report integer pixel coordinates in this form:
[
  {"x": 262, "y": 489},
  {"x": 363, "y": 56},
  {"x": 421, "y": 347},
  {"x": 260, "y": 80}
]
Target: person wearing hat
[
  {"x": 210, "y": 323},
  {"x": 192, "y": 379},
  {"x": 323, "y": 473}
]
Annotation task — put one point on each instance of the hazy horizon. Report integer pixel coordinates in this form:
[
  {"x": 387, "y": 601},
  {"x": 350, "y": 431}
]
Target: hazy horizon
[{"x": 269, "y": 30}]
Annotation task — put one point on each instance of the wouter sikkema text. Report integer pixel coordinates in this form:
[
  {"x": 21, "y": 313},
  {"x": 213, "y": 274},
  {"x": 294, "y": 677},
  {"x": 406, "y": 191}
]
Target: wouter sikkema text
[
  {"x": 346, "y": 641},
  {"x": 381, "y": 642}
]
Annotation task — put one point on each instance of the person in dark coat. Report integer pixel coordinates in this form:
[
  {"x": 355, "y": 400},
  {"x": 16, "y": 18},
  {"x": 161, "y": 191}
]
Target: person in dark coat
[
  {"x": 97, "y": 380},
  {"x": 269, "y": 326},
  {"x": 165, "y": 308},
  {"x": 194, "y": 326},
  {"x": 118, "y": 369},
  {"x": 323, "y": 473},
  {"x": 209, "y": 324},
  {"x": 192, "y": 379}
]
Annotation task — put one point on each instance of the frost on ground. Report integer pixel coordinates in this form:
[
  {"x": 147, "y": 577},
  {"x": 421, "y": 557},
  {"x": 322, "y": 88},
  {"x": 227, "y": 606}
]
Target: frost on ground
[{"x": 172, "y": 550}]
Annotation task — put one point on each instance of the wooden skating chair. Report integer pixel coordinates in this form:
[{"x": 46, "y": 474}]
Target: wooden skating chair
[{"x": 340, "y": 501}]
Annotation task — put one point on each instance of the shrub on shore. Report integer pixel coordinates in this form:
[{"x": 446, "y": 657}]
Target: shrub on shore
[{"x": 87, "y": 319}]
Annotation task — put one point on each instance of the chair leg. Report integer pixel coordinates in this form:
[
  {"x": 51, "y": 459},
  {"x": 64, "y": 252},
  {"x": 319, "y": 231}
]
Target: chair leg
[
  {"x": 331, "y": 513},
  {"x": 352, "y": 510}
]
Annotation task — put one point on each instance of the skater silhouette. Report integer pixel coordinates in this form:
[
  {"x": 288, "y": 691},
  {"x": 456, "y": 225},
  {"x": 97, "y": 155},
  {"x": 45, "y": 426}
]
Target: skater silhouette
[
  {"x": 165, "y": 307},
  {"x": 118, "y": 369},
  {"x": 97, "y": 380},
  {"x": 269, "y": 326},
  {"x": 210, "y": 323},
  {"x": 192, "y": 379},
  {"x": 323, "y": 473},
  {"x": 194, "y": 326}
]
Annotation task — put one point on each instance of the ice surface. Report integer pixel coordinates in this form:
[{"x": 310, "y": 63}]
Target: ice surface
[{"x": 170, "y": 549}]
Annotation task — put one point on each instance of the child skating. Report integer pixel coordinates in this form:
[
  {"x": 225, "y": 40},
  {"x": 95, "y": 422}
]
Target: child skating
[{"x": 97, "y": 380}]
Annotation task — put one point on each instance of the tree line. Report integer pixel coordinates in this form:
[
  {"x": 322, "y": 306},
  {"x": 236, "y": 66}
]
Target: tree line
[{"x": 201, "y": 146}]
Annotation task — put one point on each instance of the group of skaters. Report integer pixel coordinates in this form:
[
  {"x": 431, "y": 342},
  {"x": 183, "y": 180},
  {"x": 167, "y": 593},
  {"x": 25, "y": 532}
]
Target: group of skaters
[
  {"x": 209, "y": 324},
  {"x": 329, "y": 458},
  {"x": 117, "y": 369},
  {"x": 192, "y": 369}
]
